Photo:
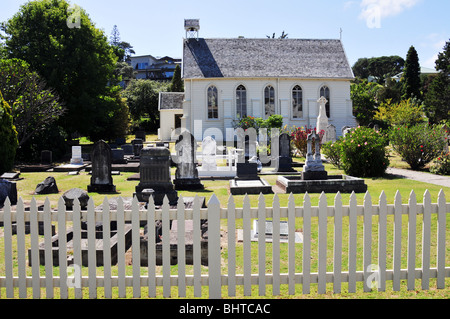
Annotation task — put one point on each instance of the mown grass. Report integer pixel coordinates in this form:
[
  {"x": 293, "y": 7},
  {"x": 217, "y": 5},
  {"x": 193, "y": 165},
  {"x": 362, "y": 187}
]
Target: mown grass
[{"x": 390, "y": 185}]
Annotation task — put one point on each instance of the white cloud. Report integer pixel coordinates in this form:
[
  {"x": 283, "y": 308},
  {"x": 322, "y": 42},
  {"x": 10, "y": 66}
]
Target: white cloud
[{"x": 384, "y": 8}]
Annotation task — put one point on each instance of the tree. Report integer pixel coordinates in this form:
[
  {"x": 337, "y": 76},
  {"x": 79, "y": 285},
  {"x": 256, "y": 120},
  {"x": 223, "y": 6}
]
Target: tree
[
  {"x": 381, "y": 68},
  {"x": 177, "y": 83},
  {"x": 364, "y": 97},
  {"x": 123, "y": 50},
  {"x": 142, "y": 98},
  {"x": 411, "y": 75},
  {"x": 437, "y": 99},
  {"x": 8, "y": 137},
  {"x": 34, "y": 108},
  {"x": 407, "y": 112},
  {"x": 77, "y": 62},
  {"x": 361, "y": 68},
  {"x": 384, "y": 67}
]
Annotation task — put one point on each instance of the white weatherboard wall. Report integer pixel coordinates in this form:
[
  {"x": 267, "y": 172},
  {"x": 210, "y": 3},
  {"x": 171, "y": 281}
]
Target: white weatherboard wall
[{"x": 195, "y": 105}]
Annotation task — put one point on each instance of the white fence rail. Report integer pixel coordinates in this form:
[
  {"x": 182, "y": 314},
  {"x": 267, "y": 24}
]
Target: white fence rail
[{"x": 346, "y": 232}]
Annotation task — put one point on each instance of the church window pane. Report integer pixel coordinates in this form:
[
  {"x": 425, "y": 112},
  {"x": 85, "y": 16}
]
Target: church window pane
[
  {"x": 213, "y": 103},
  {"x": 269, "y": 100},
  {"x": 297, "y": 102},
  {"x": 241, "y": 102},
  {"x": 325, "y": 92}
]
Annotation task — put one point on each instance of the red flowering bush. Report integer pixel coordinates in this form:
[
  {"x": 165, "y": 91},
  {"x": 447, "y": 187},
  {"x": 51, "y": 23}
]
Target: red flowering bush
[
  {"x": 418, "y": 145},
  {"x": 299, "y": 136},
  {"x": 441, "y": 165},
  {"x": 363, "y": 153}
]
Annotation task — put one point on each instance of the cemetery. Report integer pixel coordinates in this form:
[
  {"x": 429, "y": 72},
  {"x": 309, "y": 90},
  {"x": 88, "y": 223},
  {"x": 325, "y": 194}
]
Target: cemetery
[{"x": 256, "y": 169}]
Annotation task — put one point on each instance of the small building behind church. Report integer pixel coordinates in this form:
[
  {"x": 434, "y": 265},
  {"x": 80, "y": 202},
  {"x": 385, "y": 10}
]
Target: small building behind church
[{"x": 227, "y": 79}]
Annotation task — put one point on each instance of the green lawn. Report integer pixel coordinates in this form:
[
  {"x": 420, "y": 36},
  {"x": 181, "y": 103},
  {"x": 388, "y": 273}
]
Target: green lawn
[{"x": 219, "y": 187}]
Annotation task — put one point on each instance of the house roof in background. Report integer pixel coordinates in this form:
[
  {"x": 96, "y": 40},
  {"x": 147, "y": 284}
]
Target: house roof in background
[{"x": 241, "y": 57}]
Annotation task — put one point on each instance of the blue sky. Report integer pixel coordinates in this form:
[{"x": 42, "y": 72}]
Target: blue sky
[{"x": 371, "y": 28}]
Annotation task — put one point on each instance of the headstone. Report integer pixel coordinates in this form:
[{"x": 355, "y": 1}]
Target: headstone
[
  {"x": 8, "y": 189},
  {"x": 268, "y": 232},
  {"x": 127, "y": 149},
  {"x": 244, "y": 168},
  {"x": 322, "y": 120},
  {"x": 46, "y": 157},
  {"x": 314, "y": 169},
  {"x": 346, "y": 130},
  {"x": 284, "y": 161},
  {"x": 10, "y": 176},
  {"x": 48, "y": 186},
  {"x": 73, "y": 193},
  {"x": 186, "y": 175},
  {"x": 77, "y": 158},
  {"x": 118, "y": 156},
  {"x": 121, "y": 140},
  {"x": 141, "y": 135},
  {"x": 330, "y": 134},
  {"x": 101, "y": 179},
  {"x": 155, "y": 174},
  {"x": 209, "y": 152},
  {"x": 138, "y": 144}
]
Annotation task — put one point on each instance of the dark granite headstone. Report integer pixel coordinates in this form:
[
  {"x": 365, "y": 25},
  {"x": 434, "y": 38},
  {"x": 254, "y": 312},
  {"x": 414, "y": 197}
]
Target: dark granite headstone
[
  {"x": 186, "y": 175},
  {"x": 118, "y": 156},
  {"x": 284, "y": 161},
  {"x": 8, "y": 189},
  {"x": 46, "y": 157},
  {"x": 138, "y": 144},
  {"x": 155, "y": 174},
  {"x": 101, "y": 180}
]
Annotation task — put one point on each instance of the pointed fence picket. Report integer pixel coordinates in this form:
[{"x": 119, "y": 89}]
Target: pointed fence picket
[{"x": 18, "y": 274}]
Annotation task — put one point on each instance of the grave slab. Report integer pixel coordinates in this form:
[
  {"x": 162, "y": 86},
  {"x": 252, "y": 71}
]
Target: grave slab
[{"x": 251, "y": 187}]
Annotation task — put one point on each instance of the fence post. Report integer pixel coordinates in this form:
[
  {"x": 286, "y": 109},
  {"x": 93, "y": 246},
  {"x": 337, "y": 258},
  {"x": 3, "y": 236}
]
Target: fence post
[
  {"x": 214, "y": 260},
  {"x": 442, "y": 211}
]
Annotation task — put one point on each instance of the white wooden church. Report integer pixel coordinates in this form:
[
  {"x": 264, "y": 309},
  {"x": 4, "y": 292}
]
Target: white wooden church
[{"x": 226, "y": 79}]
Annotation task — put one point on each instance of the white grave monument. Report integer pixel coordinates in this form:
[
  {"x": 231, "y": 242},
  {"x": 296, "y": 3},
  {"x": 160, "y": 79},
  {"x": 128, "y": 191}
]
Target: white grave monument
[
  {"x": 77, "y": 158},
  {"x": 322, "y": 120}
]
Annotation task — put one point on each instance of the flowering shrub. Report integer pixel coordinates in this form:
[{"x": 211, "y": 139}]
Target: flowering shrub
[
  {"x": 247, "y": 122},
  {"x": 441, "y": 165},
  {"x": 332, "y": 151},
  {"x": 299, "y": 136},
  {"x": 418, "y": 145},
  {"x": 363, "y": 153}
]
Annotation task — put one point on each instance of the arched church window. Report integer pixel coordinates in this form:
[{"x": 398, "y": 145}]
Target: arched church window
[
  {"x": 297, "y": 102},
  {"x": 325, "y": 92},
  {"x": 269, "y": 100},
  {"x": 213, "y": 103},
  {"x": 241, "y": 101}
]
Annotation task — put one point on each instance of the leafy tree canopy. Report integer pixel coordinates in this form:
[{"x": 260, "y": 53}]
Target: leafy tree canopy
[{"x": 74, "y": 59}]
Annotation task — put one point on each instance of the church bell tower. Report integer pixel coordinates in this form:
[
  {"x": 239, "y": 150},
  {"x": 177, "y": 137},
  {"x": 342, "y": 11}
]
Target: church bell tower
[{"x": 192, "y": 26}]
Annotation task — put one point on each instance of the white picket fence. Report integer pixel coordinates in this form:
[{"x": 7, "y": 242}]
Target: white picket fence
[{"x": 222, "y": 219}]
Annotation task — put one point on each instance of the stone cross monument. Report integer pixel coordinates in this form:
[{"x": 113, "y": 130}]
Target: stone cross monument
[{"x": 322, "y": 120}]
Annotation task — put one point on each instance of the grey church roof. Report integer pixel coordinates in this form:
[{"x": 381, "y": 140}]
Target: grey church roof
[
  {"x": 171, "y": 101},
  {"x": 240, "y": 57}
]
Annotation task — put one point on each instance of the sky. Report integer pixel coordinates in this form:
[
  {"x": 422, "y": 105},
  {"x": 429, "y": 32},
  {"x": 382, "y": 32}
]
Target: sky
[{"x": 370, "y": 28}]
